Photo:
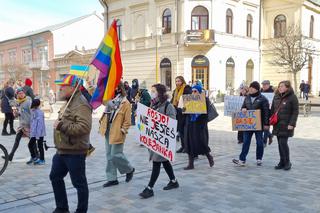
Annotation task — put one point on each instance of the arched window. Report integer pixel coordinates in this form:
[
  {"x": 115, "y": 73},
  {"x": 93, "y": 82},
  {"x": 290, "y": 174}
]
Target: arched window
[
  {"x": 166, "y": 21},
  {"x": 311, "y": 27},
  {"x": 229, "y": 21},
  {"x": 119, "y": 29},
  {"x": 166, "y": 72},
  {"x": 249, "y": 25},
  {"x": 199, "y": 18},
  {"x": 230, "y": 75},
  {"x": 280, "y": 26},
  {"x": 249, "y": 71}
]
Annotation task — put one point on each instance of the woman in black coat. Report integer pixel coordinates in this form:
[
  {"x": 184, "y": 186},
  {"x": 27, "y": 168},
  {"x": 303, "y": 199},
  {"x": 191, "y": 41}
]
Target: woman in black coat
[
  {"x": 287, "y": 105},
  {"x": 196, "y": 135},
  {"x": 7, "y": 96}
]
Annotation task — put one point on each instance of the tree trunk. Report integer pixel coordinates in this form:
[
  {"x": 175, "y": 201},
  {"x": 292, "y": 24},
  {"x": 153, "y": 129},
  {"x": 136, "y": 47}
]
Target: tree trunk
[{"x": 295, "y": 82}]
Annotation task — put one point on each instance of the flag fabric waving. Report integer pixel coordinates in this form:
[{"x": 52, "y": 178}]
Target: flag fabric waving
[
  {"x": 78, "y": 70},
  {"x": 108, "y": 61}
]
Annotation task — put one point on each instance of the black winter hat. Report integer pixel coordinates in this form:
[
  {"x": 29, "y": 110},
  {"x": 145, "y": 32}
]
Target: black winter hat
[
  {"x": 35, "y": 103},
  {"x": 256, "y": 85}
]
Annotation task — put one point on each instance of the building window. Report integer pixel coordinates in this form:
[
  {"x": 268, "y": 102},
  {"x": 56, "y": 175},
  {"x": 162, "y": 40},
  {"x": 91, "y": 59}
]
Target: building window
[
  {"x": 1, "y": 60},
  {"x": 311, "y": 27},
  {"x": 26, "y": 56},
  {"x": 249, "y": 25},
  {"x": 166, "y": 21},
  {"x": 230, "y": 75},
  {"x": 200, "y": 70},
  {"x": 199, "y": 18},
  {"x": 12, "y": 57},
  {"x": 166, "y": 72},
  {"x": 249, "y": 71},
  {"x": 229, "y": 21},
  {"x": 280, "y": 26},
  {"x": 119, "y": 29}
]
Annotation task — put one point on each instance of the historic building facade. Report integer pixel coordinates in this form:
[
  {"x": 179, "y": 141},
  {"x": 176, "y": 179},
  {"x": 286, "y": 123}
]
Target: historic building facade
[{"x": 214, "y": 41}]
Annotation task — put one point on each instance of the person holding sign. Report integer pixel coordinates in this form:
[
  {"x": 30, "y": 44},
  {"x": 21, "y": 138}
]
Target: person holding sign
[
  {"x": 286, "y": 105},
  {"x": 159, "y": 103},
  {"x": 181, "y": 89},
  {"x": 115, "y": 123},
  {"x": 254, "y": 101},
  {"x": 197, "y": 135}
]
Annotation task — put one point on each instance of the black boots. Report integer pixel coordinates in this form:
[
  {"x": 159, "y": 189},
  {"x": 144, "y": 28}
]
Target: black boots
[
  {"x": 286, "y": 166},
  {"x": 210, "y": 159},
  {"x": 5, "y": 133},
  {"x": 190, "y": 164}
]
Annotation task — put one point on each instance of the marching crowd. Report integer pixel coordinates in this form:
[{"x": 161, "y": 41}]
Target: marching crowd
[{"x": 73, "y": 126}]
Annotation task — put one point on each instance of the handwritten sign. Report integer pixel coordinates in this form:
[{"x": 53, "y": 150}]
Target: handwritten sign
[
  {"x": 251, "y": 121},
  {"x": 269, "y": 96},
  {"x": 232, "y": 104},
  {"x": 157, "y": 131},
  {"x": 194, "y": 104}
]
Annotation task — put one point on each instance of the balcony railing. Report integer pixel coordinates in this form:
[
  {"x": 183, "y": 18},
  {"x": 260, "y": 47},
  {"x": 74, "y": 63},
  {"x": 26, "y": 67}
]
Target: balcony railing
[
  {"x": 42, "y": 65},
  {"x": 199, "y": 37}
]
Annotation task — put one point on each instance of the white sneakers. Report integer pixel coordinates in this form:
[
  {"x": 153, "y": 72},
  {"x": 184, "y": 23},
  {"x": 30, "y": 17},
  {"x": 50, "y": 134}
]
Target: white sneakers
[
  {"x": 243, "y": 163},
  {"x": 259, "y": 162}
]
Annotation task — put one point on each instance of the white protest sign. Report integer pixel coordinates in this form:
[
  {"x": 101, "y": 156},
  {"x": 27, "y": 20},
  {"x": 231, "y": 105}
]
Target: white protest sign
[
  {"x": 157, "y": 131},
  {"x": 232, "y": 104},
  {"x": 269, "y": 96}
]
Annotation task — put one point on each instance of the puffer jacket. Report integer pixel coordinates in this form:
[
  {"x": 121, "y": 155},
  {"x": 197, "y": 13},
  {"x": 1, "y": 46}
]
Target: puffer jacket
[
  {"x": 287, "y": 114},
  {"x": 260, "y": 102},
  {"x": 73, "y": 132},
  {"x": 8, "y": 94}
]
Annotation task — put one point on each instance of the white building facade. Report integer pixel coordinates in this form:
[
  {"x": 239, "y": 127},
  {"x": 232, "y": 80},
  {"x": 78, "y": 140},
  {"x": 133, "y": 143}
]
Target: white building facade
[{"x": 215, "y": 41}]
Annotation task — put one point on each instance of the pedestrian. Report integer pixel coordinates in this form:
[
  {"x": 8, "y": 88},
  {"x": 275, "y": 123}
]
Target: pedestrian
[
  {"x": 254, "y": 101},
  {"x": 71, "y": 138},
  {"x": 27, "y": 88},
  {"x": 52, "y": 99},
  {"x": 301, "y": 87},
  {"x": 128, "y": 90},
  {"x": 286, "y": 105},
  {"x": 181, "y": 89},
  {"x": 196, "y": 134},
  {"x": 143, "y": 96},
  {"x": 133, "y": 94},
  {"x": 243, "y": 92},
  {"x": 37, "y": 133},
  {"x": 267, "y": 88},
  {"x": 23, "y": 112},
  {"x": 117, "y": 116},
  {"x": 159, "y": 103},
  {"x": 7, "y": 102},
  {"x": 306, "y": 90}
]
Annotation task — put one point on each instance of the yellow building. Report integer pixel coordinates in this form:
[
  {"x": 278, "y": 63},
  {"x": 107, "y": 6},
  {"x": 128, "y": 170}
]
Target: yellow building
[{"x": 277, "y": 16}]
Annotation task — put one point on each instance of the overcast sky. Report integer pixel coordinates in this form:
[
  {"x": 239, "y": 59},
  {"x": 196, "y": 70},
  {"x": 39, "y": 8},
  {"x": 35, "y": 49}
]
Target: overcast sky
[{"x": 21, "y": 16}]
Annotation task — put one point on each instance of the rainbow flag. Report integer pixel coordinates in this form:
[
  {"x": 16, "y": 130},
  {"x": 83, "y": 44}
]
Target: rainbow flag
[
  {"x": 78, "y": 70},
  {"x": 108, "y": 61}
]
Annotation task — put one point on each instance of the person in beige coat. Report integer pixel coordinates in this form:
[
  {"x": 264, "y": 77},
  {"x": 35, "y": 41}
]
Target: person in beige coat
[{"x": 114, "y": 125}]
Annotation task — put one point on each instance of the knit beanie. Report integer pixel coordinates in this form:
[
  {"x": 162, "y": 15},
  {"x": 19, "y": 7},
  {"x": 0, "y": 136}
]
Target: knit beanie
[
  {"x": 197, "y": 87},
  {"x": 28, "y": 82},
  {"x": 255, "y": 85}
]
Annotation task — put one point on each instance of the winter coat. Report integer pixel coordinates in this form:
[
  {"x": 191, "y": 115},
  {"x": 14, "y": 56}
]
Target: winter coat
[
  {"x": 128, "y": 91},
  {"x": 171, "y": 112},
  {"x": 301, "y": 87},
  {"x": 260, "y": 102},
  {"x": 37, "y": 125},
  {"x": 28, "y": 91},
  {"x": 270, "y": 90},
  {"x": 24, "y": 113},
  {"x": 287, "y": 115},
  {"x": 8, "y": 94},
  {"x": 134, "y": 90},
  {"x": 306, "y": 88},
  {"x": 73, "y": 132},
  {"x": 145, "y": 97},
  {"x": 121, "y": 123}
]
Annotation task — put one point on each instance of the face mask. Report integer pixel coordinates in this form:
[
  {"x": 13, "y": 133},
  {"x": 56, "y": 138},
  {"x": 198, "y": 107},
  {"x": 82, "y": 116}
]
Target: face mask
[
  {"x": 154, "y": 95},
  {"x": 134, "y": 84}
]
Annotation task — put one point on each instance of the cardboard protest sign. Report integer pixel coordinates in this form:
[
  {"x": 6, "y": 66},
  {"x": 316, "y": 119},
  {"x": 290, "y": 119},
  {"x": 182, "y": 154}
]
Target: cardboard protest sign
[
  {"x": 269, "y": 96},
  {"x": 251, "y": 121},
  {"x": 232, "y": 104},
  {"x": 194, "y": 104},
  {"x": 157, "y": 131}
]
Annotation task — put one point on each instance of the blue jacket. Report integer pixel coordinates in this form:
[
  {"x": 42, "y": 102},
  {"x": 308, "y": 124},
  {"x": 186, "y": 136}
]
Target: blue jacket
[
  {"x": 8, "y": 93},
  {"x": 37, "y": 124}
]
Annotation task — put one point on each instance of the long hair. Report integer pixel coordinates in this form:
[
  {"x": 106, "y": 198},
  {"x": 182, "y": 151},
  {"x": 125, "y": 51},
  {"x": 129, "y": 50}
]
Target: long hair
[
  {"x": 287, "y": 84},
  {"x": 181, "y": 79},
  {"x": 162, "y": 92}
]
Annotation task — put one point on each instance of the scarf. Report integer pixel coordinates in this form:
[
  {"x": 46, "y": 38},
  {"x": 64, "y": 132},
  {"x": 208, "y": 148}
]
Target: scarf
[
  {"x": 155, "y": 103},
  {"x": 21, "y": 100},
  {"x": 177, "y": 94}
]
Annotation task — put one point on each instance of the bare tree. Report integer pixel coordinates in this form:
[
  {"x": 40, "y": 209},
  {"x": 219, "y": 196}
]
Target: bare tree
[
  {"x": 15, "y": 71},
  {"x": 291, "y": 52}
]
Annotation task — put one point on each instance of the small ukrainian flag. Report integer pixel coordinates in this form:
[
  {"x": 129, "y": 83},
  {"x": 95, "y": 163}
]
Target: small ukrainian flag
[{"x": 80, "y": 71}]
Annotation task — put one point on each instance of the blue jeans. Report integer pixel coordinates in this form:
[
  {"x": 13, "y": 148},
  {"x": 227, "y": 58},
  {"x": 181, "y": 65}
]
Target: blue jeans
[
  {"x": 266, "y": 135},
  {"x": 247, "y": 135},
  {"x": 76, "y": 166}
]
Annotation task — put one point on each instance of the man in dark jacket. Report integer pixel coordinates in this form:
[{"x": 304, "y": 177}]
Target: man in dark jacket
[
  {"x": 71, "y": 137},
  {"x": 267, "y": 88},
  {"x": 6, "y": 98},
  {"x": 27, "y": 88},
  {"x": 306, "y": 90},
  {"x": 254, "y": 101},
  {"x": 133, "y": 94},
  {"x": 128, "y": 90},
  {"x": 301, "y": 87}
]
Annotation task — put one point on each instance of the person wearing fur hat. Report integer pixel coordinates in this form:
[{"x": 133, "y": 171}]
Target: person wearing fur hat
[
  {"x": 143, "y": 96},
  {"x": 27, "y": 88},
  {"x": 37, "y": 133},
  {"x": 24, "y": 114},
  {"x": 254, "y": 101}
]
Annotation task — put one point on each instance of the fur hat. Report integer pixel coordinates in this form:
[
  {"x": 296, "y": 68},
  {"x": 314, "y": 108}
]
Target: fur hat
[
  {"x": 256, "y": 85},
  {"x": 143, "y": 85}
]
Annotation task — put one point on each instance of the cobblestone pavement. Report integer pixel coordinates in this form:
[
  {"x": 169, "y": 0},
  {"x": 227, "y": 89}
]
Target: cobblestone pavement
[{"x": 223, "y": 188}]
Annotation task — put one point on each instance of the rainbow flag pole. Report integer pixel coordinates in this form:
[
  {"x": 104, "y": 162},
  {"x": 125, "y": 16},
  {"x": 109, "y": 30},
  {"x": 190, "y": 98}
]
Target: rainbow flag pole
[{"x": 108, "y": 61}]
